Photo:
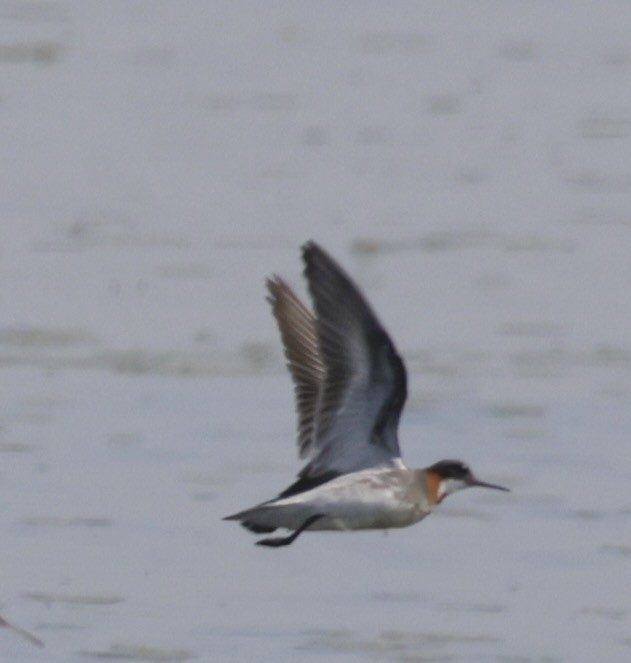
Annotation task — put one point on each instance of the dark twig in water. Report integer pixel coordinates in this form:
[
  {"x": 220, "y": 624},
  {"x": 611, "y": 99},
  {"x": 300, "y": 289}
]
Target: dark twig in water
[{"x": 20, "y": 631}]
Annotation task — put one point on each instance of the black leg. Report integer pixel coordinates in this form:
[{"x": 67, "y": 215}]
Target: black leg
[{"x": 278, "y": 541}]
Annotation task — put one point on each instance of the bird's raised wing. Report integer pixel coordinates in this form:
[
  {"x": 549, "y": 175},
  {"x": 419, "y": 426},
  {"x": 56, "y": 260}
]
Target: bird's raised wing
[
  {"x": 298, "y": 331},
  {"x": 365, "y": 385}
]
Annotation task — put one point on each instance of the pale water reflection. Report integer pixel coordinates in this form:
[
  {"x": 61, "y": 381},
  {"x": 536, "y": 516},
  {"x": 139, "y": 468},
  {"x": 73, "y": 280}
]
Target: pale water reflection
[{"x": 469, "y": 165}]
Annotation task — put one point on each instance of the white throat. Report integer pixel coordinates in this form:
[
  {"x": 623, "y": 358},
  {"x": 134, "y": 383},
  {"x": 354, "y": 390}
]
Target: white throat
[{"x": 449, "y": 486}]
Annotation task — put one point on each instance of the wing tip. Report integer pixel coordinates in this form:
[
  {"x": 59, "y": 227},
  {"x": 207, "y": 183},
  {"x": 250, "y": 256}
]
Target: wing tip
[
  {"x": 311, "y": 248},
  {"x": 277, "y": 288}
]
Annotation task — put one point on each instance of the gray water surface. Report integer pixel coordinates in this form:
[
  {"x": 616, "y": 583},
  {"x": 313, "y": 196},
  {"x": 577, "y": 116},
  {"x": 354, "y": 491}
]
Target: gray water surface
[{"x": 469, "y": 164}]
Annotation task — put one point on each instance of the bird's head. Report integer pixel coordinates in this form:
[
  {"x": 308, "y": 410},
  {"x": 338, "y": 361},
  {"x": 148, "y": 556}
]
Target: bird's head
[{"x": 448, "y": 476}]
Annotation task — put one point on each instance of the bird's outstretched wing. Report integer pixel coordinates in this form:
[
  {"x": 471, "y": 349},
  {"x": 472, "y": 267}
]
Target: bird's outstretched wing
[
  {"x": 350, "y": 382},
  {"x": 298, "y": 331}
]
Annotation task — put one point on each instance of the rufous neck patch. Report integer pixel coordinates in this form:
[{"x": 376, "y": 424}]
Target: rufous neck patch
[{"x": 433, "y": 487}]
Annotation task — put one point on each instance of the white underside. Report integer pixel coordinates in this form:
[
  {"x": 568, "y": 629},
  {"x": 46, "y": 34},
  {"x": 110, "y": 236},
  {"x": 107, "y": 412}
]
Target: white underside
[{"x": 370, "y": 499}]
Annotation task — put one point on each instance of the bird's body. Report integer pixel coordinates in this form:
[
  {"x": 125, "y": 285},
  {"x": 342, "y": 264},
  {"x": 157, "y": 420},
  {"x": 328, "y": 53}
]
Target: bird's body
[
  {"x": 378, "y": 498},
  {"x": 350, "y": 386}
]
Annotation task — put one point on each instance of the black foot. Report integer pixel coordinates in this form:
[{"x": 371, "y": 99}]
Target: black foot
[{"x": 278, "y": 541}]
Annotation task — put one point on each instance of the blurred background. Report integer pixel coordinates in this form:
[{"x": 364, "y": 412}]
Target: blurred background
[{"x": 469, "y": 163}]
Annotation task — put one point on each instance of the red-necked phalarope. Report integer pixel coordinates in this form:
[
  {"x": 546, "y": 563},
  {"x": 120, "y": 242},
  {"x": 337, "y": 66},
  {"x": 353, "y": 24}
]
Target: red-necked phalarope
[{"x": 350, "y": 386}]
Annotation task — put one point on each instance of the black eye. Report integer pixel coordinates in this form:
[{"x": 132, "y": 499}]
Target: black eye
[
  {"x": 459, "y": 470},
  {"x": 451, "y": 469}
]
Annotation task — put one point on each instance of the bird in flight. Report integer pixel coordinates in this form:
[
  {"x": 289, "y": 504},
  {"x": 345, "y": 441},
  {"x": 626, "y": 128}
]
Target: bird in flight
[{"x": 350, "y": 386}]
